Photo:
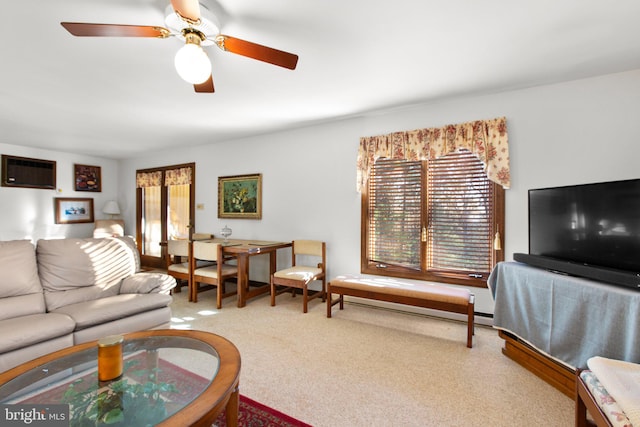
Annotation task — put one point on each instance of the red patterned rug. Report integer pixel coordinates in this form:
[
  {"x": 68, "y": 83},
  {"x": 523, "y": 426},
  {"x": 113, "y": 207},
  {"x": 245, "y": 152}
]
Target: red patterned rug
[{"x": 255, "y": 414}]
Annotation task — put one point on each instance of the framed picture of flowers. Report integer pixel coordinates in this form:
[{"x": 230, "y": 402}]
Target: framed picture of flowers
[{"x": 240, "y": 196}]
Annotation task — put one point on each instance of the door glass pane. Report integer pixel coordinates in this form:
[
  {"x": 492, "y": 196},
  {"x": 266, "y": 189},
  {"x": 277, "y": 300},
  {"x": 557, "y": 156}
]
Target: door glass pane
[
  {"x": 178, "y": 211},
  {"x": 151, "y": 221}
]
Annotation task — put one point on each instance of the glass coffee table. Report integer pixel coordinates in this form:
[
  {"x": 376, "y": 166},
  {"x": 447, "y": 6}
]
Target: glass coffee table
[{"x": 171, "y": 378}]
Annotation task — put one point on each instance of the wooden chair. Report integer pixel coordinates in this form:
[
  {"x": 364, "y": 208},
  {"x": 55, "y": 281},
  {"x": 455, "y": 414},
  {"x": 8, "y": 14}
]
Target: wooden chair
[
  {"x": 299, "y": 276},
  {"x": 108, "y": 228},
  {"x": 177, "y": 260},
  {"x": 586, "y": 402},
  {"x": 212, "y": 276},
  {"x": 607, "y": 409},
  {"x": 201, "y": 236}
]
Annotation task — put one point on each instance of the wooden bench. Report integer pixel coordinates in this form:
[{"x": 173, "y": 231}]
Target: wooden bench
[{"x": 425, "y": 295}]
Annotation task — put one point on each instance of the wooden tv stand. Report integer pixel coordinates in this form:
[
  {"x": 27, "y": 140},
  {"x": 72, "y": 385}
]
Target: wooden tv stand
[{"x": 559, "y": 376}]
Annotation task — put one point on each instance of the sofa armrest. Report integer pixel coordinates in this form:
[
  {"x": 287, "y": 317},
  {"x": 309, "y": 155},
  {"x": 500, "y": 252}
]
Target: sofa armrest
[{"x": 147, "y": 283}]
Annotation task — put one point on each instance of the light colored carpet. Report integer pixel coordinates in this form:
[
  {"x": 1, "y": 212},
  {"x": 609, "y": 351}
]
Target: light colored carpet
[{"x": 373, "y": 367}]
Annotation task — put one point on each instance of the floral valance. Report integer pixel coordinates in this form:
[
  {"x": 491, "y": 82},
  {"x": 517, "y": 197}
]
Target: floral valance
[
  {"x": 148, "y": 179},
  {"x": 486, "y": 138},
  {"x": 181, "y": 176}
]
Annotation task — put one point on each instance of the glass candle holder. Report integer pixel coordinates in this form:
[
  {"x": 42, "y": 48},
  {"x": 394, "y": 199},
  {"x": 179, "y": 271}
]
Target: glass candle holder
[
  {"x": 225, "y": 232},
  {"x": 110, "y": 363}
]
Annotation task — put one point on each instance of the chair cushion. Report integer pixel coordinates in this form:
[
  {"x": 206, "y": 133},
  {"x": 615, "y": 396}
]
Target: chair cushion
[
  {"x": 212, "y": 271},
  {"x": 108, "y": 228},
  {"x": 205, "y": 250},
  {"x": 24, "y": 331},
  {"x": 184, "y": 267},
  {"x": 607, "y": 404},
  {"x": 621, "y": 379},
  {"x": 307, "y": 247},
  {"x": 179, "y": 268},
  {"x": 298, "y": 272},
  {"x": 178, "y": 247}
]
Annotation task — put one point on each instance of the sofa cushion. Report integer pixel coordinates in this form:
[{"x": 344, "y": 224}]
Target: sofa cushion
[
  {"x": 159, "y": 318},
  {"x": 23, "y": 305},
  {"x": 90, "y": 313},
  {"x": 20, "y": 289},
  {"x": 128, "y": 240},
  {"x": 20, "y": 271},
  {"x": 21, "y": 355},
  {"x": 33, "y": 329},
  {"x": 78, "y": 270},
  {"x": 144, "y": 283}
]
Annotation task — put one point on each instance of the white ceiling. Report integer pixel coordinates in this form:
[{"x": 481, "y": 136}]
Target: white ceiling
[{"x": 121, "y": 97}]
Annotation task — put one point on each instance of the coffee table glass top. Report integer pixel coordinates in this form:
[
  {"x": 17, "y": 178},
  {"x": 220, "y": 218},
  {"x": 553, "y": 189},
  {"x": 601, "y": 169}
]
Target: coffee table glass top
[{"x": 155, "y": 383}]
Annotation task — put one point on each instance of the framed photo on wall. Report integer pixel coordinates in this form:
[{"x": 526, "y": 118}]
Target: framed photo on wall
[
  {"x": 240, "y": 196},
  {"x": 87, "y": 178},
  {"x": 73, "y": 210}
]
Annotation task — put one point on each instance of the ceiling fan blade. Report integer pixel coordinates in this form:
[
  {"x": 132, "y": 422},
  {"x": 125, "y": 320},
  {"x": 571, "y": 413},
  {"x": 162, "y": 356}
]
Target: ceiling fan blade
[
  {"x": 82, "y": 29},
  {"x": 189, "y": 10},
  {"x": 206, "y": 87},
  {"x": 256, "y": 51}
]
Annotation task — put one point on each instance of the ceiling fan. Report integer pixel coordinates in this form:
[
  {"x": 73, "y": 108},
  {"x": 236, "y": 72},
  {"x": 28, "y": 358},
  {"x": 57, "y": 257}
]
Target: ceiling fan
[{"x": 188, "y": 23}]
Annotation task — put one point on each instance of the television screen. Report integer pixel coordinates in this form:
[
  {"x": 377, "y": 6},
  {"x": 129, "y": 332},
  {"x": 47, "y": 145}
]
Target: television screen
[{"x": 591, "y": 224}]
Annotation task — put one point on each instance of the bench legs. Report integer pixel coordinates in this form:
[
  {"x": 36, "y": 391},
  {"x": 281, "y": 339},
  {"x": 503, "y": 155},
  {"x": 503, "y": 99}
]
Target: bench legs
[
  {"x": 332, "y": 302},
  {"x": 470, "y": 323}
]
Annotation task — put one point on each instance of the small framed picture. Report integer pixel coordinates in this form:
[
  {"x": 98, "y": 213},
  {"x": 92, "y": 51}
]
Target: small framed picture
[
  {"x": 87, "y": 178},
  {"x": 240, "y": 196},
  {"x": 73, "y": 210}
]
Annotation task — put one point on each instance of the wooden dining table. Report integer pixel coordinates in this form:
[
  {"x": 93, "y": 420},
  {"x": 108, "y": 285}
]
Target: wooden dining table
[{"x": 243, "y": 249}]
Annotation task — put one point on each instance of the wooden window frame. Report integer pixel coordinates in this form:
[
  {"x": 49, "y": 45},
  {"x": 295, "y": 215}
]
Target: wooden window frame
[{"x": 368, "y": 266}]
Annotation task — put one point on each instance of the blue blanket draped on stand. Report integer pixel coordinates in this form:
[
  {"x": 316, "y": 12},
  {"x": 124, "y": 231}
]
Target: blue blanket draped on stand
[{"x": 567, "y": 318}]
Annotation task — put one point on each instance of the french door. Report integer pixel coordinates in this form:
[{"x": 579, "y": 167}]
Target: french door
[{"x": 165, "y": 209}]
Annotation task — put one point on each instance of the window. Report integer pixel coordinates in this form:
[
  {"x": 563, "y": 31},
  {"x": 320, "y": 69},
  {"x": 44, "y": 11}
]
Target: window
[{"x": 432, "y": 220}]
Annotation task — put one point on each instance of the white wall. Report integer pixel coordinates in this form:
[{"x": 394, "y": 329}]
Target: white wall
[
  {"x": 28, "y": 213},
  {"x": 576, "y": 132}
]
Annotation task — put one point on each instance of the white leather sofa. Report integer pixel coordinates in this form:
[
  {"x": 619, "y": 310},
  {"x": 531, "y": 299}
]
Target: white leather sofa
[{"x": 69, "y": 291}]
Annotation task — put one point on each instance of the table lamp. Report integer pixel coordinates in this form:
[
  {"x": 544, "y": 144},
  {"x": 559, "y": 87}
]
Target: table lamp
[{"x": 111, "y": 208}]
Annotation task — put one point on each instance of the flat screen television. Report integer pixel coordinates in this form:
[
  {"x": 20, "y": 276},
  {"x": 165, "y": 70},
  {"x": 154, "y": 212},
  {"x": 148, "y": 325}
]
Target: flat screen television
[{"x": 589, "y": 230}]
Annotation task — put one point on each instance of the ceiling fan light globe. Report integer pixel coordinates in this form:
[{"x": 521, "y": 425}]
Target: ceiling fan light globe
[{"x": 192, "y": 64}]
